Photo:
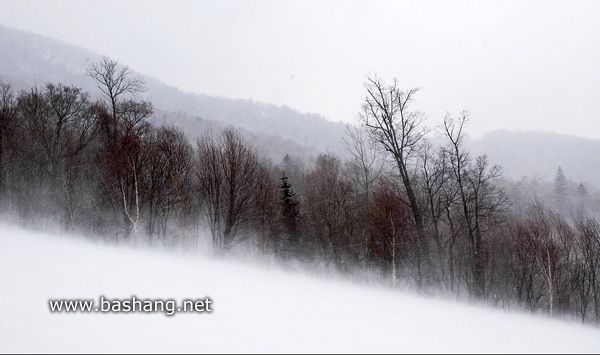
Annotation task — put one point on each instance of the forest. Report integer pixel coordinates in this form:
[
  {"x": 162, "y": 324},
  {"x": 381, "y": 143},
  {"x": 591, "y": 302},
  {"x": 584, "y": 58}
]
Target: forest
[{"x": 408, "y": 210}]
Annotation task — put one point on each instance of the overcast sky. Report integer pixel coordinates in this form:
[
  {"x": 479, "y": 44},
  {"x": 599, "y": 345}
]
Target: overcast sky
[{"x": 511, "y": 64}]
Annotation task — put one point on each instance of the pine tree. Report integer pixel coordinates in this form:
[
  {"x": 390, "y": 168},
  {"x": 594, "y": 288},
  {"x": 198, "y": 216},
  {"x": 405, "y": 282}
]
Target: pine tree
[
  {"x": 582, "y": 197},
  {"x": 290, "y": 212},
  {"x": 560, "y": 190},
  {"x": 287, "y": 163}
]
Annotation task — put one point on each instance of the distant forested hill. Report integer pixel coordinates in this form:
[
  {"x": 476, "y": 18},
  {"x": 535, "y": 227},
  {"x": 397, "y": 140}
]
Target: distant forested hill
[
  {"x": 28, "y": 59},
  {"x": 528, "y": 153}
]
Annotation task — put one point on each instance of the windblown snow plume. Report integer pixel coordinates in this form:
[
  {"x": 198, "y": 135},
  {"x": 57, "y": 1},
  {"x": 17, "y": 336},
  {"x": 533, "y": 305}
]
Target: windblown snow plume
[{"x": 250, "y": 310}]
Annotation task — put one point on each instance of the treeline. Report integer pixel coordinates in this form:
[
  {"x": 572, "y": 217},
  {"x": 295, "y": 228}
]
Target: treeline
[{"x": 432, "y": 217}]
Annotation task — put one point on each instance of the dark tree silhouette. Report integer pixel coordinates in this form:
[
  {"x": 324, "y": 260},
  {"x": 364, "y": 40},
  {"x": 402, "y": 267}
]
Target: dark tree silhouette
[{"x": 289, "y": 215}]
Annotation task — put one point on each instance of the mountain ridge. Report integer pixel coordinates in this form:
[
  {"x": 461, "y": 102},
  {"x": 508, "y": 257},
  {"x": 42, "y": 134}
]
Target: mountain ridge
[
  {"x": 537, "y": 153},
  {"x": 34, "y": 59},
  {"x": 28, "y": 59}
]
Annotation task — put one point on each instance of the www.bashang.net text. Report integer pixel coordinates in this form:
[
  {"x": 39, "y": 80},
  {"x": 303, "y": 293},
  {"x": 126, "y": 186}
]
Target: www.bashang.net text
[{"x": 131, "y": 305}]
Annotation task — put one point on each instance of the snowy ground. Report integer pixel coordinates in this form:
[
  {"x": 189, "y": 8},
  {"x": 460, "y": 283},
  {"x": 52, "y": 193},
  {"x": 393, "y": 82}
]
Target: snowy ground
[{"x": 253, "y": 310}]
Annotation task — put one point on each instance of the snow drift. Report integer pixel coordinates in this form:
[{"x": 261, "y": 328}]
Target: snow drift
[{"x": 253, "y": 310}]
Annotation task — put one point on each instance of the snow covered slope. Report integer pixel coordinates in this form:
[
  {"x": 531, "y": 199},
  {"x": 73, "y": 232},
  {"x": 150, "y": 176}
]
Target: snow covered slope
[{"x": 253, "y": 310}]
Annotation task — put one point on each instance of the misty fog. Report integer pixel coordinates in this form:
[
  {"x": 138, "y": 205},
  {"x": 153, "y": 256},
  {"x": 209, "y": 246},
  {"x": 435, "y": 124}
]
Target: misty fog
[{"x": 340, "y": 176}]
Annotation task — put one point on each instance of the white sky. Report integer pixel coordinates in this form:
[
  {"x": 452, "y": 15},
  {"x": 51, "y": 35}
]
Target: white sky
[
  {"x": 254, "y": 310},
  {"x": 512, "y": 64}
]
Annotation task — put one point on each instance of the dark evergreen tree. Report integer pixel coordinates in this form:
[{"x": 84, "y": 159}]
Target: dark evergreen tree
[{"x": 289, "y": 213}]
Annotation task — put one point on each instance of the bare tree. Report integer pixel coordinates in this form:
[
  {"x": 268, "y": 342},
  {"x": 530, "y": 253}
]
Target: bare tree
[
  {"x": 228, "y": 177},
  {"x": 268, "y": 212},
  {"x": 329, "y": 212},
  {"x": 125, "y": 155},
  {"x": 480, "y": 201},
  {"x": 167, "y": 181},
  {"x": 567, "y": 242},
  {"x": 61, "y": 124},
  {"x": 115, "y": 81},
  {"x": 122, "y": 167},
  {"x": 398, "y": 131},
  {"x": 8, "y": 125},
  {"x": 73, "y": 128},
  {"x": 588, "y": 266},
  {"x": 392, "y": 239},
  {"x": 439, "y": 192},
  {"x": 174, "y": 145},
  {"x": 365, "y": 167},
  {"x": 365, "y": 164}
]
